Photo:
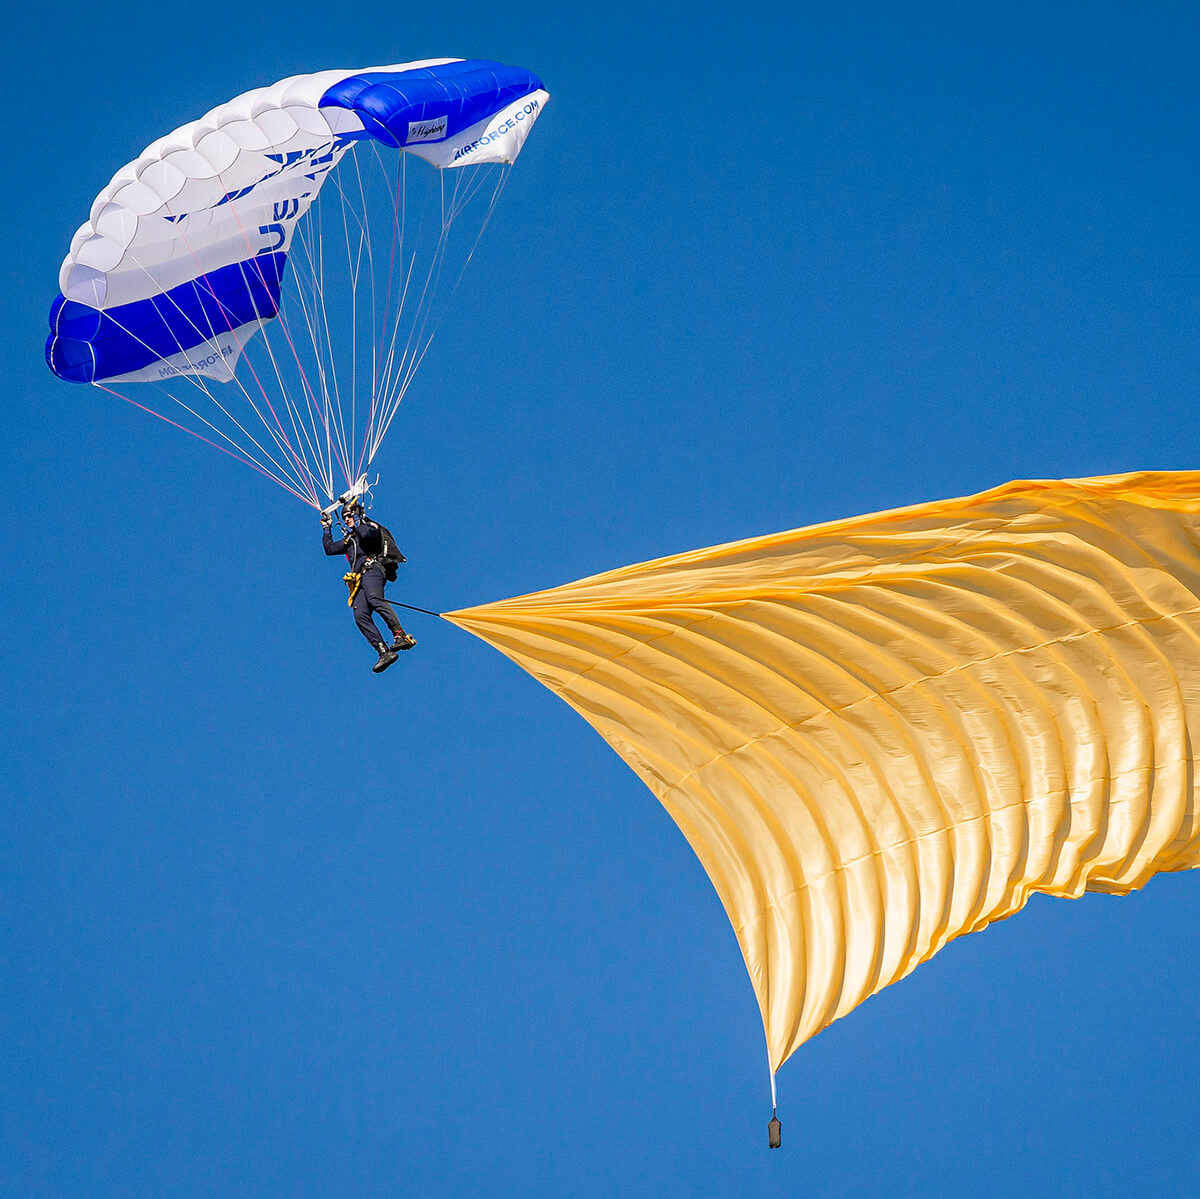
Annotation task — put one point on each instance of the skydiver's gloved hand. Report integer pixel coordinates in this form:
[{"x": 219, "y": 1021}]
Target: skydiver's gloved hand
[{"x": 326, "y": 520}]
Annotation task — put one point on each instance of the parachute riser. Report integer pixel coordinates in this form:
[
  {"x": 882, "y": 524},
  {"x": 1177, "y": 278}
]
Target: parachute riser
[{"x": 356, "y": 491}]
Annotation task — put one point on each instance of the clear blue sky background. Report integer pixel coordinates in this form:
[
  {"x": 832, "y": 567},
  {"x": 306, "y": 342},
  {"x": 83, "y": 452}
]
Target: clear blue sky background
[{"x": 274, "y": 925}]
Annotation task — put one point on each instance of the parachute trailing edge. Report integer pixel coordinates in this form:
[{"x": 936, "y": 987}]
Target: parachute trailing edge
[{"x": 882, "y": 733}]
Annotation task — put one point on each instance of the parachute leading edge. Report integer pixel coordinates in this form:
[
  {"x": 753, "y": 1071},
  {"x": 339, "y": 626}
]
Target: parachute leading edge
[{"x": 882, "y": 733}]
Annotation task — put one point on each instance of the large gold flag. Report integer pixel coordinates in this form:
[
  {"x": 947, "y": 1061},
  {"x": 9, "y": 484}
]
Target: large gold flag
[{"x": 882, "y": 733}]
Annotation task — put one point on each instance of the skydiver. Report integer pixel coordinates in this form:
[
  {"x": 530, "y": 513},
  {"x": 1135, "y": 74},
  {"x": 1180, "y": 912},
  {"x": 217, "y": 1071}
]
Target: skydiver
[{"x": 363, "y": 547}]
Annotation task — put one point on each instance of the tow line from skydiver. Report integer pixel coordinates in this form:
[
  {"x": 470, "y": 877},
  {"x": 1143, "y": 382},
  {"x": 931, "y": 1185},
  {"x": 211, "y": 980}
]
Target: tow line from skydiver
[
  {"x": 354, "y": 582},
  {"x": 413, "y": 608},
  {"x": 394, "y": 603}
]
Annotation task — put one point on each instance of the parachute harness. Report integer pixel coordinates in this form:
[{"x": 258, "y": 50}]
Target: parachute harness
[{"x": 352, "y": 578}]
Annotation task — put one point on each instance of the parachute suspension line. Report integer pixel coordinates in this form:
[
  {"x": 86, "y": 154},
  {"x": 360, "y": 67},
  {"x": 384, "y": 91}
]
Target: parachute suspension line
[
  {"x": 371, "y": 263},
  {"x": 300, "y": 482},
  {"x": 312, "y": 235},
  {"x": 283, "y": 324},
  {"x": 398, "y": 196},
  {"x": 321, "y": 411},
  {"x": 293, "y": 409},
  {"x": 354, "y": 265},
  {"x": 456, "y": 208},
  {"x": 366, "y": 244},
  {"x": 282, "y": 442},
  {"x": 265, "y": 339},
  {"x": 308, "y": 438},
  {"x": 502, "y": 179},
  {"x": 239, "y": 456},
  {"x": 393, "y": 179},
  {"x": 425, "y": 304},
  {"x": 390, "y": 366},
  {"x": 312, "y": 437},
  {"x": 398, "y": 229},
  {"x": 284, "y": 478},
  {"x": 379, "y": 401},
  {"x": 302, "y": 467},
  {"x": 403, "y": 372},
  {"x": 280, "y": 438},
  {"x": 314, "y": 257},
  {"x": 195, "y": 380},
  {"x": 397, "y": 203},
  {"x": 352, "y": 274},
  {"x": 306, "y": 445},
  {"x": 354, "y": 262},
  {"x": 296, "y": 416},
  {"x": 299, "y": 429},
  {"x": 317, "y": 231}
]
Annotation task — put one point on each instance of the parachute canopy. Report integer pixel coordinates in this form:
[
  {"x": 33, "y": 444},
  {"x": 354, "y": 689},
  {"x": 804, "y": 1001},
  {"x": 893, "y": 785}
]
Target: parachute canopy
[
  {"x": 185, "y": 254},
  {"x": 882, "y": 733}
]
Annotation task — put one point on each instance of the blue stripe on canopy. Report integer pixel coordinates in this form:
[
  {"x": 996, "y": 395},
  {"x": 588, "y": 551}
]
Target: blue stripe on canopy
[
  {"x": 464, "y": 93},
  {"x": 86, "y": 345}
]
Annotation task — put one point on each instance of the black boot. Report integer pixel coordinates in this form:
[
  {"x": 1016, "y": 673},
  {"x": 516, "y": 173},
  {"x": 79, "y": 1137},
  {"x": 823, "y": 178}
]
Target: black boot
[
  {"x": 402, "y": 640},
  {"x": 386, "y": 658}
]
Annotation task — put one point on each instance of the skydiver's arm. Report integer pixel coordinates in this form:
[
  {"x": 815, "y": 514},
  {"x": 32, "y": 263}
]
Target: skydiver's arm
[{"x": 333, "y": 548}]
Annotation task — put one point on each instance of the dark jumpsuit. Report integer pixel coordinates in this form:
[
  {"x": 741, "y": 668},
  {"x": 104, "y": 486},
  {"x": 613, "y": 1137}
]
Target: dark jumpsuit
[{"x": 360, "y": 546}]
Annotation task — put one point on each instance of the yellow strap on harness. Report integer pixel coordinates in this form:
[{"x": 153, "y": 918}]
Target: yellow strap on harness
[{"x": 353, "y": 580}]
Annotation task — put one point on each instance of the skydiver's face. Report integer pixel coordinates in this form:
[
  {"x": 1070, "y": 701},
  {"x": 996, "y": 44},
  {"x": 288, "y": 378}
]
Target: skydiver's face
[{"x": 350, "y": 519}]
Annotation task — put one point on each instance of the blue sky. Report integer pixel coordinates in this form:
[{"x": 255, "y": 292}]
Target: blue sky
[{"x": 273, "y": 925}]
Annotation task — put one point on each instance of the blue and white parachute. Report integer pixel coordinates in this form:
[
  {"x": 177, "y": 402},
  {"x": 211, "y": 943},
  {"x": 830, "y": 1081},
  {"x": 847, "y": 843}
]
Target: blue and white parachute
[{"x": 282, "y": 244}]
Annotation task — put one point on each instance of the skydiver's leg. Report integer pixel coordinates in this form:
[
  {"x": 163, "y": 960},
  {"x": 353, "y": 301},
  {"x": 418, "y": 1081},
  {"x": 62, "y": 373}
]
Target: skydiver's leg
[
  {"x": 372, "y": 588},
  {"x": 362, "y": 617},
  {"x": 373, "y": 583}
]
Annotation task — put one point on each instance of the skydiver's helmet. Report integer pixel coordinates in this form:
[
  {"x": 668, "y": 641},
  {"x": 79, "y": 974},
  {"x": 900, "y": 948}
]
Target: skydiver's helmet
[{"x": 352, "y": 508}]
